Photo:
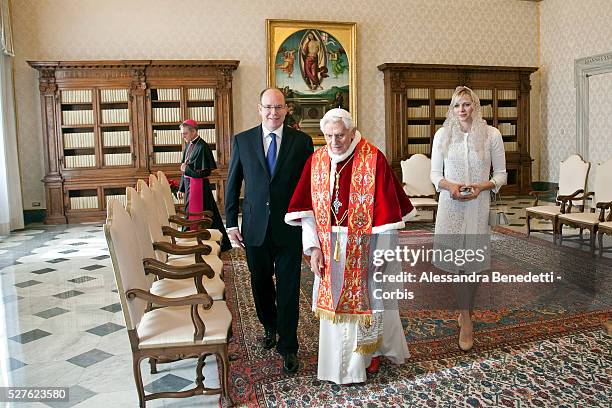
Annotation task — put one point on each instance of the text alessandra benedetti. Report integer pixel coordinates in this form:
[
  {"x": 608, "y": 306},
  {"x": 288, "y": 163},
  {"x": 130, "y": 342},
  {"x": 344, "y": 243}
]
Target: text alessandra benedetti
[{"x": 494, "y": 277}]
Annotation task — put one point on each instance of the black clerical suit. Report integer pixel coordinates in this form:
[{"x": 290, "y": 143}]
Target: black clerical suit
[
  {"x": 200, "y": 162},
  {"x": 272, "y": 246}
]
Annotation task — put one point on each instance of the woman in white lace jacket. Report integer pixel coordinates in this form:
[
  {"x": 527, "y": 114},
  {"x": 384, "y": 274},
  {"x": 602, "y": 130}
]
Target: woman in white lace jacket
[{"x": 463, "y": 152}]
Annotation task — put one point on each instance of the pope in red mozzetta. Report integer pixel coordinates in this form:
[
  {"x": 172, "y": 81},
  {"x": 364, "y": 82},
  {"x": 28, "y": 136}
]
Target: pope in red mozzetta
[{"x": 347, "y": 199}]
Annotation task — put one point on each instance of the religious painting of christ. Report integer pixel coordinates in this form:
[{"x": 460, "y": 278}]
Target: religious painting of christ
[{"x": 313, "y": 63}]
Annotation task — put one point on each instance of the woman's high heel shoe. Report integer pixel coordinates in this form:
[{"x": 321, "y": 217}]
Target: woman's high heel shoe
[{"x": 465, "y": 342}]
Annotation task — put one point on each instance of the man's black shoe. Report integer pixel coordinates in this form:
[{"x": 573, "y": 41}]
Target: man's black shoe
[
  {"x": 290, "y": 363},
  {"x": 269, "y": 340}
]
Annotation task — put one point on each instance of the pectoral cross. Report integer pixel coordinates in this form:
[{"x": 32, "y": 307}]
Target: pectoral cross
[{"x": 336, "y": 204}]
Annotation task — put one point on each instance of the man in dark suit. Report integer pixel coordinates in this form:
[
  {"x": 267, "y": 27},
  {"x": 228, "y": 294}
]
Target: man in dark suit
[{"x": 269, "y": 158}]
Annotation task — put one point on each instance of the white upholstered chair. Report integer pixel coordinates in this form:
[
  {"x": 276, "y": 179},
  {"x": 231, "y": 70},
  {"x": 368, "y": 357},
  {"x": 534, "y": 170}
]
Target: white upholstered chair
[
  {"x": 417, "y": 184},
  {"x": 158, "y": 210},
  {"x": 186, "y": 327},
  {"x": 161, "y": 186},
  {"x": 172, "y": 217},
  {"x": 215, "y": 287},
  {"x": 144, "y": 210},
  {"x": 602, "y": 199},
  {"x": 573, "y": 175}
]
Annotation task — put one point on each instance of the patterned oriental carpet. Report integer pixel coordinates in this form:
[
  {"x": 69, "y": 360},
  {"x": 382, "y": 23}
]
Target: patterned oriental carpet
[{"x": 552, "y": 352}]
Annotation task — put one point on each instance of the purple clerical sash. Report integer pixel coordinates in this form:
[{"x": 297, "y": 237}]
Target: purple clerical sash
[{"x": 196, "y": 197}]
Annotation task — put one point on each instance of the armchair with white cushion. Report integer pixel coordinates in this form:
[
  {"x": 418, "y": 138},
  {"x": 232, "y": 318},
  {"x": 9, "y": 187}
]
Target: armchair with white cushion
[
  {"x": 214, "y": 285},
  {"x": 602, "y": 200},
  {"x": 157, "y": 209},
  {"x": 175, "y": 213},
  {"x": 417, "y": 183},
  {"x": 142, "y": 208},
  {"x": 573, "y": 176}
]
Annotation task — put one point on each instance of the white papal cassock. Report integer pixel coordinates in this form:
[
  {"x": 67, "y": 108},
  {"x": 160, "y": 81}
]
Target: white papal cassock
[{"x": 338, "y": 361}]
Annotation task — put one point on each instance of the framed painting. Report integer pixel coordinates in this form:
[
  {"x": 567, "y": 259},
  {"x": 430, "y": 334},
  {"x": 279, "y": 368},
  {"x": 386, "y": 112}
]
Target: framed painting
[{"x": 313, "y": 63}]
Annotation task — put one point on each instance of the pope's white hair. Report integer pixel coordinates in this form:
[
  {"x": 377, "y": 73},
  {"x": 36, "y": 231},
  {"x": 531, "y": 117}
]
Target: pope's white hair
[{"x": 336, "y": 115}]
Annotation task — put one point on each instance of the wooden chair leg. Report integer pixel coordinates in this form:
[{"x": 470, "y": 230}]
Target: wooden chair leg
[
  {"x": 555, "y": 228},
  {"x": 153, "y": 364},
  {"x": 138, "y": 379},
  {"x": 199, "y": 368},
  {"x": 592, "y": 234},
  {"x": 600, "y": 237},
  {"x": 225, "y": 366},
  {"x": 528, "y": 225}
]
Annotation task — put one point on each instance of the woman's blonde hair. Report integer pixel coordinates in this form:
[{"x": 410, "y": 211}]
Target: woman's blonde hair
[
  {"x": 464, "y": 91},
  {"x": 452, "y": 126}
]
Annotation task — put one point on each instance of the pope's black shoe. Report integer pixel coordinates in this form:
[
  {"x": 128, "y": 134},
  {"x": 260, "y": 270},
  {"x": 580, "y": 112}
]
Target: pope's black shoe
[
  {"x": 269, "y": 340},
  {"x": 290, "y": 363}
]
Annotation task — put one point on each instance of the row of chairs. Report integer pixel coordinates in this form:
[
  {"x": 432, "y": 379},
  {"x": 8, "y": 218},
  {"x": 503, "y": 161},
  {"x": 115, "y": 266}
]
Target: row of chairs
[
  {"x": 170, "y": 285},
  {"x": 571, "y": 201}
]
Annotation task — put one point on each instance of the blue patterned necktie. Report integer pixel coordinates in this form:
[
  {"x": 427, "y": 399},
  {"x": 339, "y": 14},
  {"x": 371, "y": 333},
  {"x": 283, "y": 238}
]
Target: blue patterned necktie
[{"x": 271, "y": 157}]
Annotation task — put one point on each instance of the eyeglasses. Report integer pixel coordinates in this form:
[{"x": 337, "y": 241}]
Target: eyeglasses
[
  {"x": 338, "y": 136},
  {"x": 274, "y": 107}
]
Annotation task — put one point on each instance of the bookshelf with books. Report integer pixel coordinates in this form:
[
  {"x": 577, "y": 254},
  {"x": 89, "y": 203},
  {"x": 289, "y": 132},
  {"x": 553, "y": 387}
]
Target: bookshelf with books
[
  {"x": 108, "y": 123},
  {"x": 165, "y": 112},
  {"x": 77, "y": 129},
  {"x": 115, "y": 131},
  {"x": 169, "y": 107},
  {"x": 96, "y": 144},
  {"x": 417, "y": 97}
]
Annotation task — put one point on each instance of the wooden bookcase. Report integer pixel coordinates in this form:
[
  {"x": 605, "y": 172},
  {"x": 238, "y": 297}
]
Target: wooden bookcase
[
  {"x": 417, "y": 97},
  {"x": 108, "y": 123}
]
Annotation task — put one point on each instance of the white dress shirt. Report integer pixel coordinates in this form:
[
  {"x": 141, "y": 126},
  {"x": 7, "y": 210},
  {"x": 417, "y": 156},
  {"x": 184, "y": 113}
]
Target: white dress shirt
[{"x": 267, "y": 139}]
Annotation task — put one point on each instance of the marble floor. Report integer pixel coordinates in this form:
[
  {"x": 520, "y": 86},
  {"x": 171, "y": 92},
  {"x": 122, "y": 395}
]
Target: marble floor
[{"x": 62, "y": 324}]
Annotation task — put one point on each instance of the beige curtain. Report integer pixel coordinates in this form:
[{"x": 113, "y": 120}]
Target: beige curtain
[
  {"x": 11, "y": 204},
  {"x": 6, "y": 37}
]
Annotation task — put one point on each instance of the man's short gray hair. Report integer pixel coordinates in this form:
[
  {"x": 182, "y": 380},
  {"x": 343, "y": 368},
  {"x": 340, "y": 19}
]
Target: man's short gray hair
[{"x": 337, "y": 115}]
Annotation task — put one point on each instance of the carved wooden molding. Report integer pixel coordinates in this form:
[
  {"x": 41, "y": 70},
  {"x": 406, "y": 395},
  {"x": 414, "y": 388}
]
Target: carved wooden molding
[
  {"x": 46, "y": 80},
  {"x": 82, "y": 69},
  {"x": 404, "y": 66},
  {"x": 139, "y": 82}
]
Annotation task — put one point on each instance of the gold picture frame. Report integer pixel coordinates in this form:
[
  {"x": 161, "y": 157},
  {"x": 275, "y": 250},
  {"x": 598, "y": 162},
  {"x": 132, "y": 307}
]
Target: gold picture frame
[{"x": 314, "y": 64}]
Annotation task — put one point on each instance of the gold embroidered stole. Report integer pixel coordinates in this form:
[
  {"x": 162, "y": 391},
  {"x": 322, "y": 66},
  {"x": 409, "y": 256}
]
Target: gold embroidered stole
[{"x": 353, "y": 304}]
